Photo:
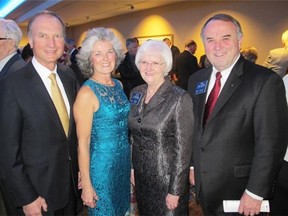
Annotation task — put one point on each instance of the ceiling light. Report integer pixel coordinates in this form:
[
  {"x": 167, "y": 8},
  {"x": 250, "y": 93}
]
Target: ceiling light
[{"x": 7, "y": 6}]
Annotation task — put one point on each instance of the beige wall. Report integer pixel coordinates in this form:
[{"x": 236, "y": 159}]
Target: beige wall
[{"x": 262, "y": 21}]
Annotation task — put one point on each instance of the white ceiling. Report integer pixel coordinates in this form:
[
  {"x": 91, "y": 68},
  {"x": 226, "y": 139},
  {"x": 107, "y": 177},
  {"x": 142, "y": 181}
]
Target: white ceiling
[{"x": 76, "y": 12}]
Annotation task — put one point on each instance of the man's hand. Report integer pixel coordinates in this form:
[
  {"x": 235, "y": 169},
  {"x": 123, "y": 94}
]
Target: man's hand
[
  {"x": 35, "y": 208},
  {"x": 249, "y": 206}
]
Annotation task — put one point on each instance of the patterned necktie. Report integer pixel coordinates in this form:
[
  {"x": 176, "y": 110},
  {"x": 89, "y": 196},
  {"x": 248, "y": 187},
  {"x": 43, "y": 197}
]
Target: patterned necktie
[
  {"x": 59, "y": 103},
  {"x": 212, "y": 97}
]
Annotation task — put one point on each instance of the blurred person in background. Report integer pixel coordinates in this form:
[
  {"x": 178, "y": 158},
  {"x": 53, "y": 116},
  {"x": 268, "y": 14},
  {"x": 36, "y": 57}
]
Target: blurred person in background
[
  {"x": 130, "y": 75},
  {"x": 277, "y": 59}
]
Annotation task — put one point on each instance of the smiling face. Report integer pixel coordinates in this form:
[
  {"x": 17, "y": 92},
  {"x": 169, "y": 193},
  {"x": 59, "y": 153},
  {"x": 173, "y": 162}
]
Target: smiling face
[
  {"x": 103, "y": 57},
  {"x": 222, "y": 46},
  {"x": 152, "y": 67},
  {"x": 47, "y": 40}
]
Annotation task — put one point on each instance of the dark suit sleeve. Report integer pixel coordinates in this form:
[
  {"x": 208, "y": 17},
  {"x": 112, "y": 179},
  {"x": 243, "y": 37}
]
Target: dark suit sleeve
[
  {"x": 15, "y": 176},
  {"x": 183, "y": 145},
  {"x": 270, "y": 130},
  {"x": 194, "y": 65}
]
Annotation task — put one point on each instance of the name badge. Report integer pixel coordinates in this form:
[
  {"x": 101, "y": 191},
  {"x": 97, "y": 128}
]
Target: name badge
[
  {"x": 201, "y": 87},
  {"x": 136, "y": 97}
]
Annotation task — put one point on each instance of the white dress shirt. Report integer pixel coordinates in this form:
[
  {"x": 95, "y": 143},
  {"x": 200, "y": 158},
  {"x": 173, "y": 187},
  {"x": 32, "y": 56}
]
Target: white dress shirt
[
  {"x": 44, "y": 74},
  {"x": 225, "y": 74}
]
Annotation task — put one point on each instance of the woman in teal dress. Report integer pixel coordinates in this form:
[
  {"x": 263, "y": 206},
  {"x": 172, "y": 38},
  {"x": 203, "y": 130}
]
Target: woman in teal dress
[{"x": 101, "y": 114}]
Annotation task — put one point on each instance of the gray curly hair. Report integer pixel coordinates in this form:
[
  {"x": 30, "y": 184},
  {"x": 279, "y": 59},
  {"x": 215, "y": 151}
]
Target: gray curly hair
[{"x": 94, "y": 35}]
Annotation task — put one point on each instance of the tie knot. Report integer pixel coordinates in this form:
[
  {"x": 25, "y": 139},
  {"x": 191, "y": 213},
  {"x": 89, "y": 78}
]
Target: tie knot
[
  {"x": 52, "y": 76},
  {"x": 218, "y": 75}
]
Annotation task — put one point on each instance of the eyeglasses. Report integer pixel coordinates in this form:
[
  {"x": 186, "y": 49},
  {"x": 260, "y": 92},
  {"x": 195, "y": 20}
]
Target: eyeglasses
[
  {"x": 152, "y": 64},
  {"x": 5, "y": 39}
]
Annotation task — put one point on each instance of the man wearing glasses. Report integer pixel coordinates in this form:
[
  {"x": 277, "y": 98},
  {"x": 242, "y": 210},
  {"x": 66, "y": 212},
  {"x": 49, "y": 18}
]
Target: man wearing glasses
[
  {"x": 10, "y": 36},
  {"x": 10, "y": 61}
]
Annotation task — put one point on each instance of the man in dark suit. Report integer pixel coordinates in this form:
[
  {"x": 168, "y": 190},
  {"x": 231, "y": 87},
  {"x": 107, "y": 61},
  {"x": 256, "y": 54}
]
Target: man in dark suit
[
  {"x": 186, "y": 64},
  {"x": 10, "y": 61},
  {"x": 73, "y": 51},
  {"x": 175, "y": 52},
  {"x": 38, "y": 156},
  {"x": 238, "y": 152},
  {"x": 130, "y": 75},
  {"x": 10, "y": 37}
]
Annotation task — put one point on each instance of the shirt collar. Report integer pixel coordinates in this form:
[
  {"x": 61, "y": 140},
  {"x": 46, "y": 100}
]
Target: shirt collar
[
  {"x": 41, "y": 70},
  {"x": 227, "y": 71}
]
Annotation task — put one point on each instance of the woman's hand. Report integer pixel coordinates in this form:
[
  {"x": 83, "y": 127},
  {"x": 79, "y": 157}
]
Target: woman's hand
[
  {"x": 89, "y": 197},
  {"x": 172, "y": 201}
]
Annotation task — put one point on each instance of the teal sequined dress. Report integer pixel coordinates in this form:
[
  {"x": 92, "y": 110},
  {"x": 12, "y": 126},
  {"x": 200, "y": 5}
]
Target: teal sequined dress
[{"x": 110, "y": 150}]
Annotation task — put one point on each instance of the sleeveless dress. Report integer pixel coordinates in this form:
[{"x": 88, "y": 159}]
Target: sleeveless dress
[{"x": 110, "y": 161}]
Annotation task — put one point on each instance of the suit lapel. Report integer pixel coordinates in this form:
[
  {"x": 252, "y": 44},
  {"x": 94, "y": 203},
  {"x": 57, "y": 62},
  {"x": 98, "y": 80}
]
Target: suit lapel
[
  {"x": 39, "y": 91},
  {"x": 158, "y": 97},
  {"x": 201, "y": 98}
]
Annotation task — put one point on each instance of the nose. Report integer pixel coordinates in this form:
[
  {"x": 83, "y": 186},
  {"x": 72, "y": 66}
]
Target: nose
[
  {"x": 105, "y": 56},
  {"x": 217, "y": 45},
  {"x": 51, "y": 41}
]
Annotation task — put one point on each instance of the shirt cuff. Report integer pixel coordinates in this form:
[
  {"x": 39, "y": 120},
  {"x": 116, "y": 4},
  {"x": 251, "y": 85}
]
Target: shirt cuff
[{"x": 253, "y": 195}]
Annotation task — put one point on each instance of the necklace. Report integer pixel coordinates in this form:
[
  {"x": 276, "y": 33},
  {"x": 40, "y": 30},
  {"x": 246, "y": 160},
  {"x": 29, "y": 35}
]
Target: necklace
[{"x": 111, "y": 83}]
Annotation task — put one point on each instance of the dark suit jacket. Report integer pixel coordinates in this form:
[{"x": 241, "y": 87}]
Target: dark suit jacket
[
  {"x": 186, "y": 65},
  {"x": 244, "y": 141},
  {"x": 175, "y": 52},
  {"x": 36, "y": 157},
  {"x": 130, "y": 75},
  {"x": 14, "y": 64},
  {"x": 73, "y": 58}
]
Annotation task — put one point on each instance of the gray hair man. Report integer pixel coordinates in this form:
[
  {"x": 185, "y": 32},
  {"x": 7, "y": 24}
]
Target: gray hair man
[{"x": 10, "y": 37}]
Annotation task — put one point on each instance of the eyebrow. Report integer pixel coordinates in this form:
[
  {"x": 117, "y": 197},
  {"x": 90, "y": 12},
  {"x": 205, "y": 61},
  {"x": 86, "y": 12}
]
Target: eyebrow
[{"x": 227, "y": 35}]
